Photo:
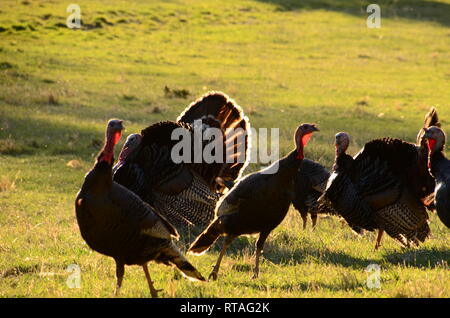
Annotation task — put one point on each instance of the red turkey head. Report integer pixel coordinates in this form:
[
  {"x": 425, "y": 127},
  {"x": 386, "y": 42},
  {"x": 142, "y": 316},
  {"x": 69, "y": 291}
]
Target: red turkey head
[
  {"x": 436, "y": 139},
  {"x": 302, "y": 136},
  {"x": 113, "y": 134},
  {"x": 114, "y": 130}
]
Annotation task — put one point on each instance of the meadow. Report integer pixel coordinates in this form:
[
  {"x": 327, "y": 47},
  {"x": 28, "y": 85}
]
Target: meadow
[{"x": 284, "y": 61}]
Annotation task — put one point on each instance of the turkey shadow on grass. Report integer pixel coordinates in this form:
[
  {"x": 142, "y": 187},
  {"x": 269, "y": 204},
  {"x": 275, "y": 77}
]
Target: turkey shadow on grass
[
  {"x": 419, "y": 258},
  {"x": 341, "y": 283},
  {"x": 309, "y": 253},
  {"x": 240, "y": 246},
  {"x": 420, "y": 10},
  {"x": 283, "y": 255}
]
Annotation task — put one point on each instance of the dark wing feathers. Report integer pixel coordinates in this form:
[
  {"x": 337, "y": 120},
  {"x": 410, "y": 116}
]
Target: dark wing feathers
[
  {"x": 155, "y": 156},
  {"x": 382, "y": 187},
  {"x": 133, "y": 208},
  {"x": 186, "y": 192},
  {"x": 313, "y": 171},
  {"x": 398, "y": 159},
  {"x": 132, "y": 177},
  {"x": 343, "y": 197},
  {"x": 309, "y": 183}
]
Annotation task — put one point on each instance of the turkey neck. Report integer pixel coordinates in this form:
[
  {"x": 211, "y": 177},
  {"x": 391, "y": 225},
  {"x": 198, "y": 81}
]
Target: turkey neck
[
  {"x": 343, "y": 162},
  {"x": 102, "y": 173},
  {"x": 437, "y": 162},
  {"x": 108, "y": 148},
  {"x": 289, "y": 165}
]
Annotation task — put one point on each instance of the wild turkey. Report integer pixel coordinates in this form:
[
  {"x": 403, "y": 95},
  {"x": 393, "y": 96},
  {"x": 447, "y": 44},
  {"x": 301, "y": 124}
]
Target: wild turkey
[
  {"x": 186, "y": 193},
  {"x": 256, "y": 204},
  {"x": 439, "y": 167},
  {"x": 428, "y": 182},
  {"x": 309, "y": 184},
  {"x": 115, "y": 222},
  {"x": 380, "y": 188}
]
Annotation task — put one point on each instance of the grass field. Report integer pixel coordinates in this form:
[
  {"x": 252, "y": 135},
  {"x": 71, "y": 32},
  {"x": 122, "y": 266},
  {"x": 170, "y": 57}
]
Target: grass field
[{"x": 284, "y": 61}]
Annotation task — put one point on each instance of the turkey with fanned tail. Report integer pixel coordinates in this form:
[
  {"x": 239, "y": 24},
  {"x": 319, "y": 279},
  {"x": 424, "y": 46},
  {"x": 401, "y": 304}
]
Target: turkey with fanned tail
[
  {"x": 380, "y": 188},
  {"x": 186, "y": 190}
]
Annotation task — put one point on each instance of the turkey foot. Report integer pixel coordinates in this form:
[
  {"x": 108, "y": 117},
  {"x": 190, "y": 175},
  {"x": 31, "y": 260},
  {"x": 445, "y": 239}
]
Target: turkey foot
[
  {"x": 120, "y": 271},
  {"x": 213, "y": 275},
  {"x": 378, "y": 242},
  {"x": 153, "y": 291}
]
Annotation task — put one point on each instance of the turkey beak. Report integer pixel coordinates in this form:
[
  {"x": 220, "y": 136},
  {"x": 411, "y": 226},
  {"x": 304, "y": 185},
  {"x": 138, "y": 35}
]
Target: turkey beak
[
  {"x": 122, "y": 127},
  {"x": 315, "y": 128}
]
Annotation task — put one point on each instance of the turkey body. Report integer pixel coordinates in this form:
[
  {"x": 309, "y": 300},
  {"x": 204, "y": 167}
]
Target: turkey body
[
  {"x": 309, "y": 184},
  {"x": 380, "y": 188},
  {"x": 259, "y": 202},
  {"x": 256, "y": 204},
  {"x": 116, "y": 222},
  {"x": 113, "y": 221}
]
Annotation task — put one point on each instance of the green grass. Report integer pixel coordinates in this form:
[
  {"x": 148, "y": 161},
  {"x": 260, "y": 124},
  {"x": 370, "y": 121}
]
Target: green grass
[{"x": 283, "y": 62}]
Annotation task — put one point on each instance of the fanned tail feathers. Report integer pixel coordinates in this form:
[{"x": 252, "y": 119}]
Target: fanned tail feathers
[{"x": 217, "y": 110}]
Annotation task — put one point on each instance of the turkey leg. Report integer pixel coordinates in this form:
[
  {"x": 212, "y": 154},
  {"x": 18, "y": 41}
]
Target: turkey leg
[
  {"x": 153, "y": 291},
  {"x": 314, "y": 220},
  {"x": 120, "y": 271},
  {"x": 378, "y": 242},
  {"x": 305, "y": 220},
  {"x": 259, "y": 247},
  {"x": 225, "y": 245}
]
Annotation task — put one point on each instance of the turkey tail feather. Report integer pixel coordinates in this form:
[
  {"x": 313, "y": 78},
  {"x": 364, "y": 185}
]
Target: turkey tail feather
[
  {"x": 206, "y": 239},
  {"x": 217, "y": 110},
  {"x": 175, "y": 257},
  {"x": 432, "y": 119}
]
